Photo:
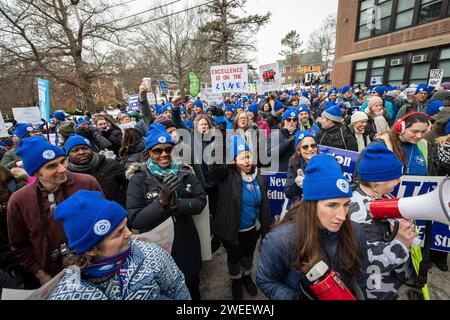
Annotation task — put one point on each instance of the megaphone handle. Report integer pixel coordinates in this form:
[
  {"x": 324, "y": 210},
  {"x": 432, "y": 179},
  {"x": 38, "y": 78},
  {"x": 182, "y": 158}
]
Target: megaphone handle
[{"x": 390, "y": 236}]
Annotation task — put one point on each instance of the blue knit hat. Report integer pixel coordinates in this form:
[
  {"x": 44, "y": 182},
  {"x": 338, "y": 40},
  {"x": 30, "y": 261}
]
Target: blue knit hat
[
  {"x": 331, "y": 91},
  {"x": 434, "y": 107},
  {"x": 289, "y": 113},
  {"x": 76, "y": 140},
  {"x": 188, "y": 124},
  {"x": 421, "y": 87},
  {"x": 253, "y": 108},
  {"x": 302, "y": 108},
  {"x": 238, "y": 145},
  {"x": 302, "y": 134},
  {"x": 379, "y": 164},
  {"x": 447, "y": 129},
  {"x": 333, "y": 113},
  {"x": 37, "y": 151},
  {"x": 346, "y": 89},
  {"x": 88, "y": 218},
  {"x": 59, "y": 115},
  {"x": 380, "y": 90},
  {"x": 197, "y": 103},
  {"x": 229, "y": 107},
  {"x": 219, "y": 120},
  {"x": 24, "y": 129},
  {"x": 166, "y": 107},
  {"x": 157, "y": 134},
  {"x": 324, "y": 179},
  {"x": 277, "y": 105},
  {"x": 182, "y": 110}
]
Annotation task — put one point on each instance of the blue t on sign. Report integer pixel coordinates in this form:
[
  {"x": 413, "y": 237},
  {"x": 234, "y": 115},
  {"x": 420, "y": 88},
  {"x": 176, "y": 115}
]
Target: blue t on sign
[{"x": 163, "y": 86}]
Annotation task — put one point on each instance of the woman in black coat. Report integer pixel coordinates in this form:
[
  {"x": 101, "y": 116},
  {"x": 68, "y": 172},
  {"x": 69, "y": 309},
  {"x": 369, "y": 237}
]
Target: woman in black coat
[
  {"x": 111, "y": 131},
  {"x": 286, "y": 144},
  {"x": 161, "y": 189},
  {"x": 242, "y": 214}
]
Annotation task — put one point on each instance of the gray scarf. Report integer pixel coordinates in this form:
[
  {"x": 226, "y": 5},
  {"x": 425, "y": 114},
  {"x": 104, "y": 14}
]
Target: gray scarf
[{"x": 86, "y": 167}]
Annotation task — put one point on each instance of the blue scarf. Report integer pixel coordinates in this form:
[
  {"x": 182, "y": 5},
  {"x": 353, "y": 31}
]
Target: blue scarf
[
  {"x": 160, "y": 172},
  {"x": 103, "y": 267}
]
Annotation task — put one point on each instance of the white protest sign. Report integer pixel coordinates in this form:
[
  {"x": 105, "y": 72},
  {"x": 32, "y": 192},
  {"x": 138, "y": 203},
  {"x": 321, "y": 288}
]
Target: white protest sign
[
  {"x": 162, "y": 235},
  {"x": 208, "y": 95},
  {"x": 202, "y": 225},
  {"x": 436, "y": 76},
  {"x": 27, "y": 115},
  {"x": 229, "y": 78},
  {"x": 3, "y": 129},
  {"x": 270, "y": 78}
]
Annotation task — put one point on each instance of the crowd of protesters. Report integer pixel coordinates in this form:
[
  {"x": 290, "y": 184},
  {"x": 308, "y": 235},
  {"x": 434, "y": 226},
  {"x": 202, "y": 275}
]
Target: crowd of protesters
[{"x": 72, "y": 204}]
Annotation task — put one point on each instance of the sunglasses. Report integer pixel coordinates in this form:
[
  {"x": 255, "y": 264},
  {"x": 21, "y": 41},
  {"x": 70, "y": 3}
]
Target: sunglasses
[
  {"x": 312, "y": 146},
  {"x": 291, "y": 120},
  {"x": 159, "y": 151}
]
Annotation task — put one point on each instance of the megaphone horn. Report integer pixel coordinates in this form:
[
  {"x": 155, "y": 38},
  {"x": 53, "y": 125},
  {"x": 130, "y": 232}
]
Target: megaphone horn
[{"x": 433, "y": 206}]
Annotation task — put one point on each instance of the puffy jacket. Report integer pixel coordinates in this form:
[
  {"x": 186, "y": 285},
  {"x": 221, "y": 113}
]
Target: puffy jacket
[
  {"x": 10, "y": 158},
  {"x": 291, "y": 189},
  {"x": 337, "y": 136},
  {"x": 278, "y": 279},
  {"x": 228, "y": 212},
  {"x": 285, "y": 148},
  {"x": 387, "y": 105}
]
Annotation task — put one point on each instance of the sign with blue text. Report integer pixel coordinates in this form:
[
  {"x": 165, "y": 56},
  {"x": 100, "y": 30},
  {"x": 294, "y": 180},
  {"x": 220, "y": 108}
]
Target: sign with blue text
[
  {"x": 44, "y": 98},
  {"x": 347, "y": 159},
  {"x": 163, "y": 87},
  {"x": 133, "y": 102}
]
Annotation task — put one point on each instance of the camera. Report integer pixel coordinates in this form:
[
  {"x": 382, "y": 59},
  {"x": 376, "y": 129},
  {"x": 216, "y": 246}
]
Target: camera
[{"x": 58, "y": 254}]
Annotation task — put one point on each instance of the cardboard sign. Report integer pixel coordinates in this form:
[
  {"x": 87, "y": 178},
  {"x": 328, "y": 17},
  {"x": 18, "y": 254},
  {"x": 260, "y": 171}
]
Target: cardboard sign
[
  {"x": 270, "y": 78},
  {"x": 27, "y": 115},
  {"x": 436, "y": 76},
  {"x": 230, "y": 78}
]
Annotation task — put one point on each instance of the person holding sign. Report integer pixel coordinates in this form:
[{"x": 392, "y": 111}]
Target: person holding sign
[
  {"x": 306, "y": 148},
  {"x": 113, "y": 267},
  {"x": 316, "y": 229},
  {"x": 378, "y": 172},
  {"x": 161, "y": 189}
]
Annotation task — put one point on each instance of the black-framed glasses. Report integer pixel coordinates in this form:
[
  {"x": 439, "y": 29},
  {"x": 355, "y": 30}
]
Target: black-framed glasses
[
  {"x": 291, "y": 120},
  {"x": 307, "y": 146},
  {"x": 159, "y": 151}
]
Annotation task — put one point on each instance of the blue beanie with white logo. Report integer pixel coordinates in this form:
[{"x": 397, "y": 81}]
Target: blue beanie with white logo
[
  {"x": 302, "y": 134},
  {"x": 59, "y": 115},
  {"x": 434, "y": 107},
  {"x": 333, "y": 113},
  {"x": 157, "y": 134},
  {"x": 229, "y": 107},
  {"x": 24, "y": 129},
  {"x": 277, "y": 105},
  {"x": 253, "y": 108},
  {"x": 346, "y": 89},
  {"x": 76, "y": 140},
  {"x": 88, "y": 218},
  {"x": 324, "y": 179},
  {"x": 421, "y": 87},
  {"x": 238, "y": 145},
  {"x": 302, "y": 108},
  {"x": 37, "y": 151},
  {"x": 289, "y": 113},
  {"x": 332, "y": 91},
  {"x": 379, "y": 164},
  {"x": 197, "y": 103}
]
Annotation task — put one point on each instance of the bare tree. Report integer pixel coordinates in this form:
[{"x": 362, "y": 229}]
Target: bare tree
[
  {"x": 60, "y": 39},
  {"x": 292, "y": 41},
  {"x": 228, "y": 34},
  {"x": 323, "y": 40}
]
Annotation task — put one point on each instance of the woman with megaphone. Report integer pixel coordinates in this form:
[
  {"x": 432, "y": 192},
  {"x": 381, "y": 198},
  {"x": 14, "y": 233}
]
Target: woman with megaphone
[
  {"x": 378, "y": 171},
  {"x": 315, "y": 233}
]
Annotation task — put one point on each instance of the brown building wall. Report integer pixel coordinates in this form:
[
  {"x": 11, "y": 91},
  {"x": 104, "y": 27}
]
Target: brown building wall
[{"x": 347, "y": 50}]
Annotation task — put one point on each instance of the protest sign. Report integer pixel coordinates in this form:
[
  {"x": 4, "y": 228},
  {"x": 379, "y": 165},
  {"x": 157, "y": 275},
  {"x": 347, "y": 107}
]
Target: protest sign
[
  {"x": 229, "y": 78},
  {"x": 27, "y": 115},
  {"x": 347, "y": 159},
  {"x": 162, "y": 235},
  {"x": 436, "y": 76},
  {"x": 411, "y": 186},
  {"x": 270, "y": 78},
  {"x": 3, "y": 129},
  {"x": 163, "y": 87},
  {"x": 133, "y": 102},
  {"x": 44, "y": 99}
]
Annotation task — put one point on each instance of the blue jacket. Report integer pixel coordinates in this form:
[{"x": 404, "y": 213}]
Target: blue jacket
[
  {"x": 387, "y": 105},
  {"x": 279, "y": 280}
]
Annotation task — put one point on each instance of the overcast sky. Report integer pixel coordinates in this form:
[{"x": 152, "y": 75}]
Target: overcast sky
[{"x": 304, "y": 16}]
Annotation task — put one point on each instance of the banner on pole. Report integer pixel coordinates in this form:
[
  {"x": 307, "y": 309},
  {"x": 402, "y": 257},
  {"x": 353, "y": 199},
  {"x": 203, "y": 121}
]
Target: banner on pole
[{"x": 44, "y": 99}]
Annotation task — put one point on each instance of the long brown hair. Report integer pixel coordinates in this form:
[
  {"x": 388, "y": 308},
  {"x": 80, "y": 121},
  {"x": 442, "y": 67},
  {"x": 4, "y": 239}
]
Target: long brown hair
[
  {"x": 206, "y": 118},
  {"x": 395, "y": 136},
  {"x": 308, "y": 252},
  {"x": 131, "y": 137}
]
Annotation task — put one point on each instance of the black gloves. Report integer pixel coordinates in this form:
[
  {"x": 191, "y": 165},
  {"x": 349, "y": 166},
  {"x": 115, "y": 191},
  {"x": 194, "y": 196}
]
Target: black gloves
[{"x": 168, "y": 186}]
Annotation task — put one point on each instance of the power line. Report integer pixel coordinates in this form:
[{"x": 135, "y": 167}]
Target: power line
[
  {"x": 171, "y": 14},
  {"x": 145, "y": 11},
  {"x": 122, "y": 4}
]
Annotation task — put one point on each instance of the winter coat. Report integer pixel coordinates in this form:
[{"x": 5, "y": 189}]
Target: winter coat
[
  {"x": 408, "y": 107},
  {"x": 285, "y": 148},
  {"x": 253, "y": 138},
  {"x": 110, "y": 174},
  {"x": 228, "y": 212},
  {"x": 337, "y": 136},
  {"x": 390, "y": 260},
  {"x": 115, "y": 137},
  {"x": 134, "y": 154},
  {"x": 291, "y": 189},
  {"x": 10, "y": 158},
  {"x": 278, "y": 279},
  {"x": 151, "y": 275},
  {"x": 145, "y": 213},
  {"x": 262, "y": 124}
]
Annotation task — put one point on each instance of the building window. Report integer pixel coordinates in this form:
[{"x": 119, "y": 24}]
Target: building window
[
  {"x": 444, "y": 62},
  {"x": 311, "y": 68},
  {"x": 429, "y": 10},
  {"x": 405, "y": 13},
  {"x": 360, "y": 72}
]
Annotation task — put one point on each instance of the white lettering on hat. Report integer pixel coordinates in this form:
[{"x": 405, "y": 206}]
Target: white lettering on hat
[
  {"x": 300, "y": 137},
  {"x": 102, "y": 227},
  {"x": 292, "y": 114},
  {"x": 48, "y": 154},
  {"x": 162, "y": 140},
  {"x": 343, "y": 185},
  {"x": 241, "y": 147},
  {"x": 29, "y": 129},
  {"x": 87, "y": 141}
]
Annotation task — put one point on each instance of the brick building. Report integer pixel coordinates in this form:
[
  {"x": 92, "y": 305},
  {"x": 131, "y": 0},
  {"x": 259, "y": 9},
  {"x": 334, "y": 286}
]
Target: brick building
[{"x": 391, "y": 42}]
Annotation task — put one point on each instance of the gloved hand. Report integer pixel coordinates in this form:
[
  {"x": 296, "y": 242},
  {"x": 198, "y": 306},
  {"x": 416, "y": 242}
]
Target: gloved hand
[
  {"x": 299, "y": 178},
  {"x": 168, "y": 186}
]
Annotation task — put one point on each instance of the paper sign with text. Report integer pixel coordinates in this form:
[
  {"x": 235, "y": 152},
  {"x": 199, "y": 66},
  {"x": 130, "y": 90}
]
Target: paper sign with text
[{"x": 230, "y": 78}]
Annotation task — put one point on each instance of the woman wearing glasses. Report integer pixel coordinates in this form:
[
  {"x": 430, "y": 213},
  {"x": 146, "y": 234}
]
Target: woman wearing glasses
[
  {"x": 162, "y": 188},
  {"x": 286, "y": 146},
  {"x": 306, "y": 148}
]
